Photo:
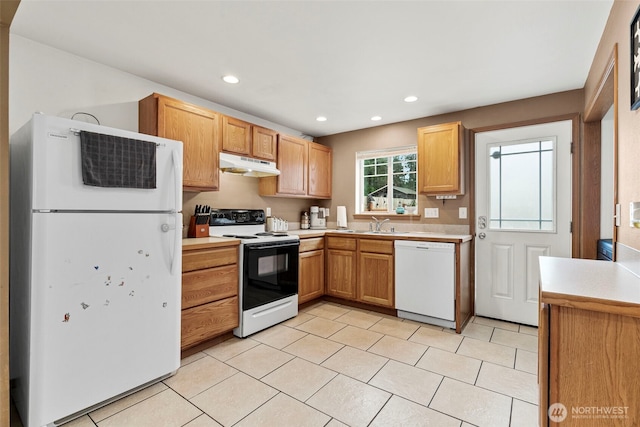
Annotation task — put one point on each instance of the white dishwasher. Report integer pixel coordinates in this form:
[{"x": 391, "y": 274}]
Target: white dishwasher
[{"x": 425, "y": 281}]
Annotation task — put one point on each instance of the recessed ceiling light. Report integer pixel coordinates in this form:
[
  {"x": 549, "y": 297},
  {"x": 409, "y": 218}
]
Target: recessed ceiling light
[
  {"x": 321, "y": 118},
  {"x": 230, "y": 79},
  {"x": 411, "y": 98},
  {"x": 376, "y": 118}
]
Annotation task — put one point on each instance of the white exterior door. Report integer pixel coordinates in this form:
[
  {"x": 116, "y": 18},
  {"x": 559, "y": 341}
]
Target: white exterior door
[{"x": 523, "y": 211}]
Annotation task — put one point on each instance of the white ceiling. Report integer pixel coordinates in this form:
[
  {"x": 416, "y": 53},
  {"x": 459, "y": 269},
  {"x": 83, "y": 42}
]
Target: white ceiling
[{"x": 346, "y": 60}]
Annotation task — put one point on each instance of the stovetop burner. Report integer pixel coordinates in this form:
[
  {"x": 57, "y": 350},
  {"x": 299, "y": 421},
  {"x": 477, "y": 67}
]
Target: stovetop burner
[{"x": 247, "y": 225}]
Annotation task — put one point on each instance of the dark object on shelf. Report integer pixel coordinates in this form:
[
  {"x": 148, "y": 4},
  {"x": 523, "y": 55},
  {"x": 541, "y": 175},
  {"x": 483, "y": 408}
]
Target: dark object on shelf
[
  {"x": 635, "y": 61},
  {"x": 605, "y": 249}
]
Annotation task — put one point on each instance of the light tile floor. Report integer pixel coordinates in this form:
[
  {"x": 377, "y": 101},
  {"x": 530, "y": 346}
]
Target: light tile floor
[{"x": 333, "y": 365}]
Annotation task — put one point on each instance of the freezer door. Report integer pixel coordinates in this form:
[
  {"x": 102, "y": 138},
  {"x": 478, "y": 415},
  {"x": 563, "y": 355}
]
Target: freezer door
[
  {"x": 105, "y": 307},
  {"x": 57, "y": 171}
]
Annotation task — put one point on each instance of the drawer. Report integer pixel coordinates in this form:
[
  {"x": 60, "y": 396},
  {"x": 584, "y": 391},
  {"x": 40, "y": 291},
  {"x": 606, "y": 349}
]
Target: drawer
[
  {"x": 311, "y": 244},
  {"x": 211, "y": 284},
  {"x": 376, "y": 246},
  {"x": 206, "y": 258},
  {"x": 208, "y": 321},
  {"x": 345, "y": 243}
]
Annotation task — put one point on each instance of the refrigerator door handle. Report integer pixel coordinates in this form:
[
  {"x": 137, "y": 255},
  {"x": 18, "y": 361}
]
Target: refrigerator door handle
[
  {"x": 177, "y": 175},
  {"x": 177, "y": 245}
]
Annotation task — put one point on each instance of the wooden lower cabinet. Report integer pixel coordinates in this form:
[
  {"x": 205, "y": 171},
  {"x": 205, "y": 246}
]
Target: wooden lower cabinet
[
  {"x": 361, "y": 270},
  {"x": 588, "y": 344},
  {"x": 593, "y": 365},
  {"x": 341, "y": 273},
  {"x": 207, "y": 321},
  {"x": 311, "y": 269},
  {"x": 375, "y": 281},
  {"x": 209, "y": 293}
]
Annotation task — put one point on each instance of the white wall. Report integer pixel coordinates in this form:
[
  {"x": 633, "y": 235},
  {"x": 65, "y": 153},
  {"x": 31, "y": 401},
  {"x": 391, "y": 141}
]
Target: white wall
[
  {"x": 606, "y": 176},
  {"x": 58, "y": 83}
]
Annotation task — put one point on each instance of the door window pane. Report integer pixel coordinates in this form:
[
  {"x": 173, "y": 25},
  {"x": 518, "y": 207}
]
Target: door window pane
[{"x": 522, "y": 186}]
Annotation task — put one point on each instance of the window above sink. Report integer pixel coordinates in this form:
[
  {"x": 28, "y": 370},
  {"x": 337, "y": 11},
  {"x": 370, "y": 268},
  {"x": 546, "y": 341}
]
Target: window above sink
[{"x": 387, "y": 181}]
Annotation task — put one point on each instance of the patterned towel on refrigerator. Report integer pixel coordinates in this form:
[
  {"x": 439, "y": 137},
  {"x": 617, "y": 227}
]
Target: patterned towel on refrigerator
[{"x": 113, "y": 161}]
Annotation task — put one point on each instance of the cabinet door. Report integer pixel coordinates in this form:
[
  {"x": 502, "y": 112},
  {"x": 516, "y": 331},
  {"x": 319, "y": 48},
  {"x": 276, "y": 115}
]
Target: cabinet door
[
  {"x": 341, "y": 273},
  {"x": 439, "y": 159},
  {"x": 263, "y": 143},
  {"x": 211, "y": 284},
  {"x": 208, "y": 321},
  {"x": 199, "y": 259},
  {"x": 292, "y": 162},
  {"x": 198, "y": 129},
  {"x": 319, "y": 171},
  {"x": 375, "y": 281},
  {"x": 311, "y": 276},
  {"x": 236, "y": 136}
]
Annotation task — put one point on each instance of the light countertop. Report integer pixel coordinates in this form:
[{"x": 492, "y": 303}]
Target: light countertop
[
  {"x": 208, "y": 242},
  {"x": 589, "y": 284},
  {"x": 400, "y": 235},
  {"x": 203, "y": 242}
]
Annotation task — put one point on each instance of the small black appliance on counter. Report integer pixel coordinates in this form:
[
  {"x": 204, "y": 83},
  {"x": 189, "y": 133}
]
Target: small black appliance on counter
[{"x": 605, "y": 249}]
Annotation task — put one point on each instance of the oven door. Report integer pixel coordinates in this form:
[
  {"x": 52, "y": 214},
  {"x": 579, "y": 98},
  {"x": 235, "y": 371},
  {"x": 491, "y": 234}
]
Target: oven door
[{"x": 270, "y": 272}]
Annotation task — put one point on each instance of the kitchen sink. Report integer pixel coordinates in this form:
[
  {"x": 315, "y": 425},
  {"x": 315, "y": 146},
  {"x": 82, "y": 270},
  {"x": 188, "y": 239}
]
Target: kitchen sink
[{"x": 385, "y": 232}]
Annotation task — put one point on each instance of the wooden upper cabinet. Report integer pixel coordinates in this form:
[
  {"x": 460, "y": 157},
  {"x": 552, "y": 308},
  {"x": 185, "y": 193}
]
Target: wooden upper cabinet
[
  {"x": 236, "y": 136},
  {"x": 292, "y": 162},
  {"x": 243, "y": 138},
  {"x": 320, "y": 161},
  {"x": 305, "y": 170},
  {"x": 440, "y": 160},
  {"x": 197, "y": 128},
  {"x": 264, "y": 143}
]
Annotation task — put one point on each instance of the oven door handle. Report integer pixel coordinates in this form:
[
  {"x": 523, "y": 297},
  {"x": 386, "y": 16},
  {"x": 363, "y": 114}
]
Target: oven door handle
[{"x": 262, "y": 246}]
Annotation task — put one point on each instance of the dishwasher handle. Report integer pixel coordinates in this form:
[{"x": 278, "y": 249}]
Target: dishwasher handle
[{"x": 412, "y": 244}]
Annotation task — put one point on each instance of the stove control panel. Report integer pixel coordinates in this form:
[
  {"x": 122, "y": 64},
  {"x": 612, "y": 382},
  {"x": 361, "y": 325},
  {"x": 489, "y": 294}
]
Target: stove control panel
[{"x": 236, "y": 217}]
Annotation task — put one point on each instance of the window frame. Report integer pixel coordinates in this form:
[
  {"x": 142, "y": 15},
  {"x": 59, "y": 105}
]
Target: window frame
[{"x": 389, "y": 153}]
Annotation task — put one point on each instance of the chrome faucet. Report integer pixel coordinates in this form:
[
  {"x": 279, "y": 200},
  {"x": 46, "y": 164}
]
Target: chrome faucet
[{"x": 379, "y": 223}]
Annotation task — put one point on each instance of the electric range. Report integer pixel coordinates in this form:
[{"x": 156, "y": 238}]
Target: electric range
[{"x": 268, "y": 268}]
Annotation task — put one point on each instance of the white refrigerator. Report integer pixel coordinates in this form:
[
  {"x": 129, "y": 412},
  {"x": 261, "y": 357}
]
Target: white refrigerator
[{"x": 95, "y": 274}]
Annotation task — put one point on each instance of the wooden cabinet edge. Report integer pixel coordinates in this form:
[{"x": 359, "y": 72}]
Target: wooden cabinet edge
[
  {"x": 543, "y": 364},
  {"x": 463, "y": 290}
]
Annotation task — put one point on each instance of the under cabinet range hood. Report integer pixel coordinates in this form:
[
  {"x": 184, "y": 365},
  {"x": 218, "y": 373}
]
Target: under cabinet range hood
[{"x": 246, "y": 166}]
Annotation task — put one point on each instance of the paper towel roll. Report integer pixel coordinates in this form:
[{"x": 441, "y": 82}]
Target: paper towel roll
[{"x": 341, "y": 217}]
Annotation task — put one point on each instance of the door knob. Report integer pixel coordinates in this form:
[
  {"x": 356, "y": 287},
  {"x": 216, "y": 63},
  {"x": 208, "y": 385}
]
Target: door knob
[{"x": 482, "y": 235}]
